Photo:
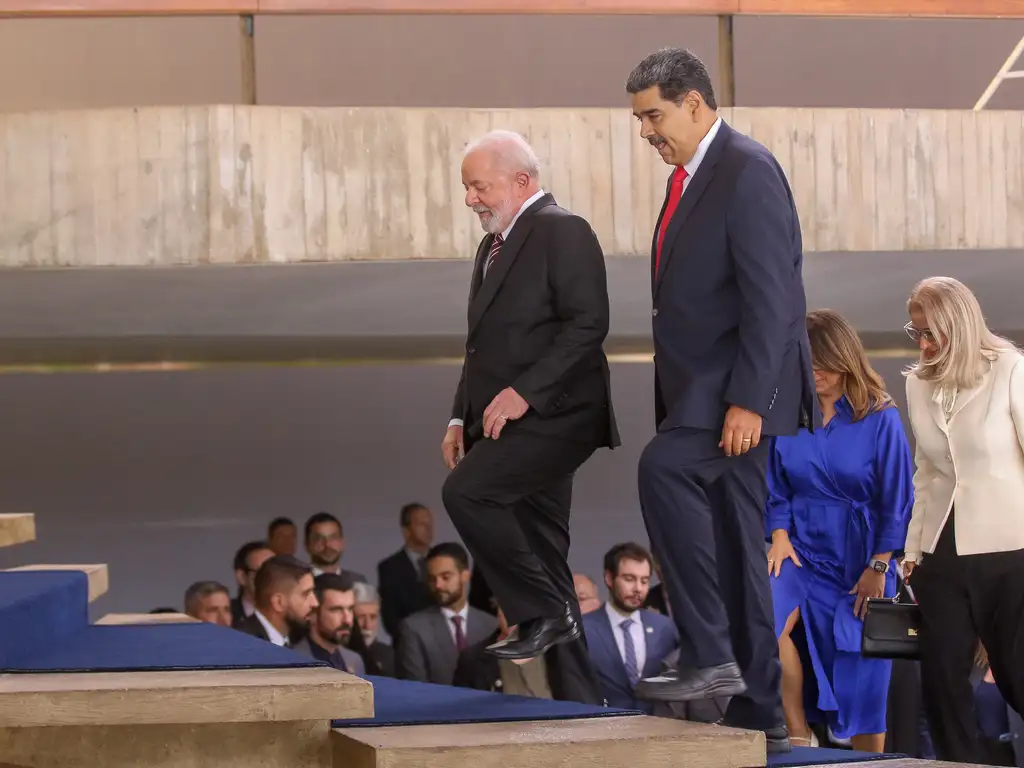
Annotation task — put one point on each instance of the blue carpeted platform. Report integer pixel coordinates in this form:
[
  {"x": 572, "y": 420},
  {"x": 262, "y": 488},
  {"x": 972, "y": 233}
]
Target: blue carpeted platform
[
  {"x": 822, "y": 756},
  {"x": 151, "y": 647},
  {"x": 39, "y": 609},
  {"x": 404, "y": 702}
]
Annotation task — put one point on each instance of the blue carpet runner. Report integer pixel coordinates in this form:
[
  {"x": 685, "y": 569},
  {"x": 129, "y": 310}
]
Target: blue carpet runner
[
  {"x": 40, "y": 609},
  {"x": 156, "y": 647}
]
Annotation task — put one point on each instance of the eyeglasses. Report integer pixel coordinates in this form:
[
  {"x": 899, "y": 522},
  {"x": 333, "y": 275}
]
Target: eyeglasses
[{"x": 919, "y": 333}]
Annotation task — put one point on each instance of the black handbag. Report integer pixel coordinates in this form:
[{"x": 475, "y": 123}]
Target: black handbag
[{"x": 891, "y": 629}]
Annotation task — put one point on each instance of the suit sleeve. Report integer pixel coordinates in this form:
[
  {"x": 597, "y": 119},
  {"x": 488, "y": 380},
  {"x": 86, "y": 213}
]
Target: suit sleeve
[
  {"x": 410, "y": 661},
  {"x": 389, "y": 609},
  {"x": 1017, "y": 399},
  {"x": 458, "y": 407},
  {"x": 580, "y": 285},
  {"x": 760, "y": 222}
]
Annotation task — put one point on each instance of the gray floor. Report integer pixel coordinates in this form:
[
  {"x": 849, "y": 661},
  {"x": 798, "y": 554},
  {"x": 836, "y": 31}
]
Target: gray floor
[{"x": 402, "y": 310}]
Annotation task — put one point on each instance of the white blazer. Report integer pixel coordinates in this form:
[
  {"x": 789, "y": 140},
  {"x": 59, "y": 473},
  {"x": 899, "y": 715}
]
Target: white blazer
[{"x": 974, "y": 458}]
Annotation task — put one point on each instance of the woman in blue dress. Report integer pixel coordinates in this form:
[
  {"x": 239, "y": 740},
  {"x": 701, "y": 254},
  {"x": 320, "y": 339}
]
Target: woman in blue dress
[{"x": 838, "y": 508}]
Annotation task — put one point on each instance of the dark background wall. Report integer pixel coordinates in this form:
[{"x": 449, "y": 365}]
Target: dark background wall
[{"x": 496, "y": 61}]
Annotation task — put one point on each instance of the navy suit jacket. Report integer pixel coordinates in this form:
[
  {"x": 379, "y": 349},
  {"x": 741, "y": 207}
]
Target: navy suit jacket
[
  {"x": 729, "y": 310},
  {"x": 662, "y": 638}
]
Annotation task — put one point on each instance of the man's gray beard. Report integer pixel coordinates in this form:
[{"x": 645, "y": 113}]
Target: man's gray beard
[{"x": 498, "y": 215}]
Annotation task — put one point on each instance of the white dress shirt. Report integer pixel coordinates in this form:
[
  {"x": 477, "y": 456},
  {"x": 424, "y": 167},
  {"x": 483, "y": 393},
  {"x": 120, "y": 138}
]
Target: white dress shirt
[
  {"x": 504, "y": 236},
  {"x": 272, "y": 634},
  {"x": 449, "y": 614},
  {"x": 636, "y": 631}
]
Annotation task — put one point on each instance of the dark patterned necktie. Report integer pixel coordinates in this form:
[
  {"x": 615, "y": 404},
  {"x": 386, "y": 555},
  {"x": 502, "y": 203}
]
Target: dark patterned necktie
[
  {"x": 460, "y": 635},
  {"x": 495, "y": 247},
  {"x": 632, "y": 668}
]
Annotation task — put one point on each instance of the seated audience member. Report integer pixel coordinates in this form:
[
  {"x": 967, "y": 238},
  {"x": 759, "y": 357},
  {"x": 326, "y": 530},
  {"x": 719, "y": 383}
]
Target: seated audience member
[
  {"x": 248, "y": 560},
  {"x": 325, "y": 544},
  {"x": 331, "y": 625},
  {"x": 628, "y": 643},
  {"x": 586, "y": 593},
  {"x": 282, "y": 536},
  {"x": 400, "y": 577},
  {"x": 482, "y": 671},
  {"x": 430, "y": 641},
  {"x": 209, "y": 601},
  {"x": 378, "y": 655},
  {"x": 285, "y": 601}
]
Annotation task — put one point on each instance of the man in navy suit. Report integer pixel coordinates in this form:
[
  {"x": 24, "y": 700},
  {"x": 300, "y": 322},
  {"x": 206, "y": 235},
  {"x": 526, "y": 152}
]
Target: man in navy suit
[
  {"x": 732, "y": 368},
  {"x": 626, "y": 642}
]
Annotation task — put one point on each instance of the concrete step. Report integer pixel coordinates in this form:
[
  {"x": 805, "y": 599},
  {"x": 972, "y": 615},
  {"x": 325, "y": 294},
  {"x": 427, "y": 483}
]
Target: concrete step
[
  {"x": 604, "y": 742},
  {"x": 17, "y": 529},
  {"x": 98, "y": 575},
  {"x": 271, "y": 718}
]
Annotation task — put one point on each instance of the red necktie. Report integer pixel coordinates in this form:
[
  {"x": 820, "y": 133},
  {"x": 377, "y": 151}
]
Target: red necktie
[{"x": 674, "y": 193}]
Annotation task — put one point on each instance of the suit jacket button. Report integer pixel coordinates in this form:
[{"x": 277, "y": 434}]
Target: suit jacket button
[
  {"x": 471, "y": 350},
  {"x": 654, "y": 313}
]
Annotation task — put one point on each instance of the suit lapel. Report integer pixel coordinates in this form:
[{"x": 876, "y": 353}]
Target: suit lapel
[
  {"x": 489, "y": 284},
  {"x": 691, "y": 196},
  {"x": 441, "y": 632},
  {"x": 606, "y": 632},
  {"x": 652, "y": 655}
]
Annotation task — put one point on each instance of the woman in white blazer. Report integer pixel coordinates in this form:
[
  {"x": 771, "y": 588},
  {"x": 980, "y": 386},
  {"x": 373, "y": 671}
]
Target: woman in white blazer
[{"x": 965, "y": 543}]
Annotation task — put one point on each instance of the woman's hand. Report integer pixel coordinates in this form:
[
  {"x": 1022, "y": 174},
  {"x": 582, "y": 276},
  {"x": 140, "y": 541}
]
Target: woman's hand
[
  {"x": 908, "y": 568},
  {"x": 780, "y": 551},
  {"x": 871, "y": 584}
]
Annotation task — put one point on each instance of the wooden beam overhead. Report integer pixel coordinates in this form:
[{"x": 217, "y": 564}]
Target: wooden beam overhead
[{"x": 820, "y": 8}]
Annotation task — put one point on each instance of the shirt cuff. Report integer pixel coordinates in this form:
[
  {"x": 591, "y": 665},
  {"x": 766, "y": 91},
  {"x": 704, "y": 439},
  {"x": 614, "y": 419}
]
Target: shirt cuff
[{"x": 454, "y": 423}]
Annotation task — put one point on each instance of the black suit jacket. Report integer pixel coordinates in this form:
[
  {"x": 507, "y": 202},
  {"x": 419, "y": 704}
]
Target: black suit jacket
[
  {"x": 729, "y": 310},
  {"x": 537, "y": 323},
  {"x": 402, "y": 591}
]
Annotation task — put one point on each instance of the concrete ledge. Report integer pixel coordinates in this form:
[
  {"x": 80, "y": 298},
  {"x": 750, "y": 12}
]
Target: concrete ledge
[
  {"x": 182, "y": 698},
  {"x": 115, "y": 619},
  {"x": 605, "y": 742},
  {"x": 17, "y": 529},
  {"x": 212, "y": 745},
  {"x": 98, "y": 575}
]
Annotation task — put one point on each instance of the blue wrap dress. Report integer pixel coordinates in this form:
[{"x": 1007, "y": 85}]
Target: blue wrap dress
[{"x": 844, "y": 493}]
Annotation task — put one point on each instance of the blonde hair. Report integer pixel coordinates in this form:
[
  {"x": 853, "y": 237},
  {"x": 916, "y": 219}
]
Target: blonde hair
[
  {"x": 836, "y": 347},
  {"x": 966, "y": 346}
]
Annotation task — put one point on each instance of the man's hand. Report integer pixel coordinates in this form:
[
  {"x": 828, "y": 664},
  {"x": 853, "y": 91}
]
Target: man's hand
[
  {"x": 452, "y": 447},
  {"x": 871, "y": 584},
  {"x": 741, "y": 432},
  {"x": 506, "y": 406}
]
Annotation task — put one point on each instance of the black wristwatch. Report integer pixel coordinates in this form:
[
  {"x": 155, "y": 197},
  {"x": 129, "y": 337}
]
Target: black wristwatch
[{"x": 880, "y": 566}]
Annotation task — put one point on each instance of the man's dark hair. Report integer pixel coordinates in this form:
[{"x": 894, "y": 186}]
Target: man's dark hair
[
  {"x": 627, "y": 551},
  {"x": 676, "y": 72},
  {"x": 338, "y": 582},
  {"x": 242, "y": 555},
  {"x": 278, "y": 522},
  {"x": 277, "y": 574},
  {"x": 317, "y": 519},
  {"x": 201, "y": 590},
  {"x": 405, "y": 514},
  {"x": 451, "y": 549}
]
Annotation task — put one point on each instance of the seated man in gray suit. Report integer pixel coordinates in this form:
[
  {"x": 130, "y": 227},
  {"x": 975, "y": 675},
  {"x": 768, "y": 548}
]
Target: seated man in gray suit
[
  {"x": 429, "y": 641},
  {"x": 331, "y": 626}
]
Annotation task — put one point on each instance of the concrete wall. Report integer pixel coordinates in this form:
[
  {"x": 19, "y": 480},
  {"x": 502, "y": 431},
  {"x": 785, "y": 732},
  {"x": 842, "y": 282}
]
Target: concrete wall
[
  {"x": 225, "y": 185},
  {"x": 496, "y": 61}
]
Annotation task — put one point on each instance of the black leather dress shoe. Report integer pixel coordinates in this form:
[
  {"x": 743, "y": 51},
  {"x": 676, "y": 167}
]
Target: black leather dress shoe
[
  {"x": 688, "y": 684},
  {"x": 533, "y": 639},
  {"x": 777, "y": 741}
]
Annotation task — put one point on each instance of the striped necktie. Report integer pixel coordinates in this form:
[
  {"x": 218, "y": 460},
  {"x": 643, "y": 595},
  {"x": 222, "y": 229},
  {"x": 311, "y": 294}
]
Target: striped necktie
[
  {"x": 632, "y": 672},
  {"x": 495, "y": 247}
]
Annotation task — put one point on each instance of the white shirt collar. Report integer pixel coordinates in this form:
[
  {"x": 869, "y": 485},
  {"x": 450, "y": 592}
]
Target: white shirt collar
[
  {"x": 272, "y": 634},
  {"x": 449, "y": 614},
  {"x": 702, "y": 149},
  {"x": 617, "y": 618},
  {"x": 533, "y": 199}
]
